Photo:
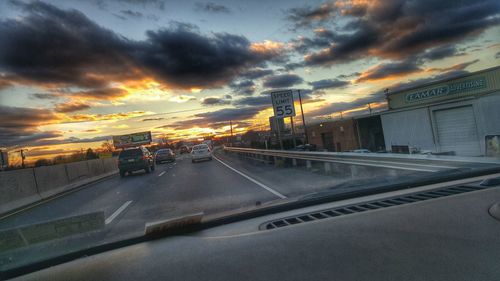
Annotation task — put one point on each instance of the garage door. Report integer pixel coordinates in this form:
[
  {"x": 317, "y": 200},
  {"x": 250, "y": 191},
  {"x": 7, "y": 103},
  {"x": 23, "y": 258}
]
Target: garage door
[{"x": 457, "y": 131}]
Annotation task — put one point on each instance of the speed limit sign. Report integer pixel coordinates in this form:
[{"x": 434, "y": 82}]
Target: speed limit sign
[{"x": 283, "y": 103}]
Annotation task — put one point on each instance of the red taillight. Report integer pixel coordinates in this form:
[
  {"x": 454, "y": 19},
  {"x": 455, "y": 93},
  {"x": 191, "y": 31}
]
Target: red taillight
[{"x": 144, "y": 157}]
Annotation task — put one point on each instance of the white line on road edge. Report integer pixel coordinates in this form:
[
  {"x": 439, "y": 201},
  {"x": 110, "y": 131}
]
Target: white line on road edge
[
  {"x": 117, "y": 212},
  {"x": 252, "y": 180},
  {"x": 161, "y": 174}
]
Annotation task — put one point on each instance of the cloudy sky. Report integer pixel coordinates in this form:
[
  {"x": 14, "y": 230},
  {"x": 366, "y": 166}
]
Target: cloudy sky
[{"x": 73, "y": 73}]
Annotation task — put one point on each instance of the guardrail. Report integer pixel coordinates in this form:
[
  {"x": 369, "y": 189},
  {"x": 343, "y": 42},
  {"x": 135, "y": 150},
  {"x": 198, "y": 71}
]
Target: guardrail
[{"x": 418, "y": 163}]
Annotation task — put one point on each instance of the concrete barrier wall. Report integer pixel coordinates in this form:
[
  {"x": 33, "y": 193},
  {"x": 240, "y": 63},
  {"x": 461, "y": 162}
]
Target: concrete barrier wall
[
  {"x": 51, "y": 179},
  {"x": 96, "y": 167},
  {"x": 78, "y": 171},
  {"x": 17, "y": 188},
  {"x": 110, "y": 164},
  {"x": 23, "y": 187}
]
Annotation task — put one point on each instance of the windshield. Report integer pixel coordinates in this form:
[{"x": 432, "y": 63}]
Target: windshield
[
  {"x": 200, "y": 147},
  {"x": 130, "y": 152},
  {"x": 247, "y": 104}
]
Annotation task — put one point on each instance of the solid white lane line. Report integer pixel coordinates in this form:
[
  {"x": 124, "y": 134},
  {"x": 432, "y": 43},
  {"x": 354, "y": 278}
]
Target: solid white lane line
[
  {"x": 252, "y": 180},
  {"x": 117, "y": 212},
  {"x": 161, "y": 174}
]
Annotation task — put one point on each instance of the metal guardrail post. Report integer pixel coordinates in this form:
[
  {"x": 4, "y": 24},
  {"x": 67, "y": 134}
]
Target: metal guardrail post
[
  {"x": 328, "y": 167},
  {"x": 294, "y": 162},
  {"x": 308, "y": 164}
]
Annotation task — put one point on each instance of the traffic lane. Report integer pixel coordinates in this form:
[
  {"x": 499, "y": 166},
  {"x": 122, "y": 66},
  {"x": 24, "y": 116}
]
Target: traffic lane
[
  {"x": 206, "y": 186},
  {"x": 106, "y": 195},
  {"x": 298, "y": 181}
]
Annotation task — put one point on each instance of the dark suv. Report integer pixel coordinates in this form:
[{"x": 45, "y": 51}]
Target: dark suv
[{"x": 133, "y": 159}]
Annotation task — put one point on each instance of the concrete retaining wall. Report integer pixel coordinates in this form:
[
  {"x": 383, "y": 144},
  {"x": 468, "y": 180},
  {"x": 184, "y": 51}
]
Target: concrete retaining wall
[
  {"x": 51, "y": 179},
  {"x": 96, "y": 167},
  {"x": 23, "y": 187},
  {"x": 110, "y": 164},
  {"x": 78, "y": 171},
  {"x": 17, "y": 188}
]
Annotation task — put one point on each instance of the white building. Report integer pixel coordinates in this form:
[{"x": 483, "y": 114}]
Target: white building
[{"x": 457, "y": 116}]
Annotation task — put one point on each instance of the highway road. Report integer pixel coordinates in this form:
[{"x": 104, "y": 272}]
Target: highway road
[
  {"x": 226, "y": 183},
  {"x": 182, "y": 187}
]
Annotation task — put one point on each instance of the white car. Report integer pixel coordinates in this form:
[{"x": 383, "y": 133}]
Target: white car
[{"x": 201, "y": 152}]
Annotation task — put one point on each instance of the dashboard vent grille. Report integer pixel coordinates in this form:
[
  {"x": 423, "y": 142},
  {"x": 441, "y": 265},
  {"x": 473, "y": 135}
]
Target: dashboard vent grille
[{"x": 367, "y": 206}]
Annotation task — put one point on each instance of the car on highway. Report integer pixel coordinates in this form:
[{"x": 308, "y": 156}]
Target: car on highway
[
  {"x": 135, "y": 159},
  {"x": 201, "y": 152},
  {"x": 164, "y": 155},
  {"x": 305, "y": 147},
  {"x": 185, "y": 149}
]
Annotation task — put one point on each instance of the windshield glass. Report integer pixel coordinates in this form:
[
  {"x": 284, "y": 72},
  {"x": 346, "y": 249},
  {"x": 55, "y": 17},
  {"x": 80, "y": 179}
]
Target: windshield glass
[
  {"x": 242, "y": 104},
  {"x": 130, "y": 152},
  {"x": 200, "y": 147}
]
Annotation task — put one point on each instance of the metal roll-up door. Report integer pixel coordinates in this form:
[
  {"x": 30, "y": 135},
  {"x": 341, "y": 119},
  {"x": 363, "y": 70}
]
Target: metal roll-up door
[{"x": 457, "y": 131}]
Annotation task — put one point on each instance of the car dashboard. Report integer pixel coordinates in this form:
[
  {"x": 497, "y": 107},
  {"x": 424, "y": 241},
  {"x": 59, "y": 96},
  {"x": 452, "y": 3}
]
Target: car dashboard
[{"x": 444, "y": 231}]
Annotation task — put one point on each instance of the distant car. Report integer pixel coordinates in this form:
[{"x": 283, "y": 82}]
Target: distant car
[
  {"x": 134, "y": 159},
  {"x": 163, "y": 155},
  {"x": 361, "y": 151},
  {"x": 185, "y": 149},
  {"x": 305, "y": 147},
  {"x": 201, "y": 152}
]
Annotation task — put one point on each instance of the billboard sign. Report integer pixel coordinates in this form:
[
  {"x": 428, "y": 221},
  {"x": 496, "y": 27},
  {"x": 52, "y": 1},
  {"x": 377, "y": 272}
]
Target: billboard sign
[
  {"x": 131, "y": 140},
  {"x": 283, "y": 103}
]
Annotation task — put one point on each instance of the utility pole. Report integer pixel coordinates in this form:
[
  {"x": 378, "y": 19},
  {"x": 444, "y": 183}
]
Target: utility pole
[
  {"x": 293, "y": 132},
  {"x": 23, "y": 157},
  {"x": 278, "y": 129},
  {"x": 370, "y": 108},
  {"x": 303, "y": 118}
]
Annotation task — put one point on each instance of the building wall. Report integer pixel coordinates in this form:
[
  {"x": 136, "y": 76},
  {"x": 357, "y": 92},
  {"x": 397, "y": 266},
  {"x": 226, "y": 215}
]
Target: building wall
[
  {"x": 409, "y": 127},
  {"x": 343, "y": 133},
  {"x": 417, "y": 127}
]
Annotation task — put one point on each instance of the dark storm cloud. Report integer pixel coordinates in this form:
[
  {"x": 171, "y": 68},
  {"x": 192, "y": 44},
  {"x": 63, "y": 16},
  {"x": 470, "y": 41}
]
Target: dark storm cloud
[
  {"x": 70, "y": 107},
  {"x": 306, "y": 16},
  {"x": 184, "y": 58},
  {"x": 215, "y": 101},
  {"x": 350, "y": 75},
  {"x": 152, "y": 119},
  {"x": 282, "y": 81},
  {"x": 132, "y": 14},
  {"x": 328, "y": 84},
  {"x": 386, "y": 70},
  {"x": 253, "y": 101},
  {"x": 256, "y": 73},
  {"x": 218, "y": 119},
  {"x": 245, "y": 87},
  {"x": 439, "y": 53},
  {"x": 52, "y": 46},
  {"x": 99, "y": 94},
  {"x": 158, "y": 4},
  {"x": 71, "y": 140},
  {"x": 226, "y": 114},
  {"x": 19, "y": 125},
  {"x": 44, "y": 96},
  {"x": 91, "y": 57},
  {"x": 397, "y": 29},
  {"x": 212, "y": 7}
]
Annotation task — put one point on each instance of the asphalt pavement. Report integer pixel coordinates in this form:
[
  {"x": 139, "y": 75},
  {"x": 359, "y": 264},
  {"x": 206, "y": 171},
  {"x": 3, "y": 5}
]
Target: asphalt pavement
[{"x": 223, "y": 184}]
